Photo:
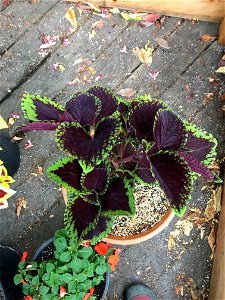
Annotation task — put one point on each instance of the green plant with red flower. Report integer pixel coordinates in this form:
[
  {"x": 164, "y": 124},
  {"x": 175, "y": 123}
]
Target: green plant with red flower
[
  {"x": 111, "y": 143},
  {"x": 72, "y": 273}
]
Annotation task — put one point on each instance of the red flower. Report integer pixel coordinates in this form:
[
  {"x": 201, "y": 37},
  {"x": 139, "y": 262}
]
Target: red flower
[
  {"x": 102, "y": 248},
  {"x": 86, "y": 243},
  {"x": 24, "y": 257},
  {"x": 62, "y": 291},
  {"x": 88, "y": 295},
  {"x": 23, "y": 281},
  {"x": 28, "y": 298}
]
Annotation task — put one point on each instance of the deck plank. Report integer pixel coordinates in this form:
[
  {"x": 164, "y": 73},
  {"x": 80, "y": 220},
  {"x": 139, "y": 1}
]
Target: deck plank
[
  {"x": 17, "y": 19},
  {"x": 21, "y": 59}
]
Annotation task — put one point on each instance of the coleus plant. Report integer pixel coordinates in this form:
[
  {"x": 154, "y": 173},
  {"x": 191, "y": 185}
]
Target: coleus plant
[{"x": 111, "y": 143}]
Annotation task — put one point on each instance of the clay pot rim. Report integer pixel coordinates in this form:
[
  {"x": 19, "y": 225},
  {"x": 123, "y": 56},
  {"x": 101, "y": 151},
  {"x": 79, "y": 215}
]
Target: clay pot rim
[{"x": 139, "y": 237}]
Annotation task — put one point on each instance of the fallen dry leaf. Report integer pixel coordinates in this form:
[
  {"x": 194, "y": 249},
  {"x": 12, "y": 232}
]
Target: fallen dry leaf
[
  {"x": 171, "y": 243},
  {"x": 179, "y": 290},
  {"x": 71, "y": 17},
  {"x": 98, "y": 24},
  {"x": 128, "y": 92},
  {"x": 222, "y": 96},
  {"x": 151, "y": 17},
  {"x": 206, "y": 38},
  {"x": 91, "y": 35},
  {"x": 221, "y": 70},
  {"x": 162, "y": 43},
  {"x": 193, "y": 295},
  {"x": 17, "y": 138},
  {"x": 21, "y": 203},
  {"x": 144, "y": 54},
  {"x": 214, "y": 204},
  {"x": 212, "y": 241},
  {"x": 93, "y": 6}
]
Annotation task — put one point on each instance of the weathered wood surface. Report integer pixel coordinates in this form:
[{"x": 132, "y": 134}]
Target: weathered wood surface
[
  {"x": 182, "y": 82},
  {"x": 205, "y": 10},
  {"x": 217, "y": 286},
  {"x": 17, "y": 18},
  {"x": 221, "y": 39}
]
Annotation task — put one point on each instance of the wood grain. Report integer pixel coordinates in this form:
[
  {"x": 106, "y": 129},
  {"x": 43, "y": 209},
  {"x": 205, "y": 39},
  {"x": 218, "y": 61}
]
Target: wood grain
[
  {"x": 217, "y": 286},
  {"x": 221, "y": 39},
  {"x": 205, "y": 10}
]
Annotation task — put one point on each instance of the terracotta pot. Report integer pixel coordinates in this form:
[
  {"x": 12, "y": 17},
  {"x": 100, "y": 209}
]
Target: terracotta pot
[{"x": 136, "y": 238}]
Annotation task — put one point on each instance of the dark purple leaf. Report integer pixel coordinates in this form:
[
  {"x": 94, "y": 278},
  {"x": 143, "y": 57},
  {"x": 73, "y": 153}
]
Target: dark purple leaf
[
  {"x": 46, "y": 111},
  {"x": 142, "y": 119},
  {"x": 82, "y": 216},
  {"x": 84, "y": 109},
  {"x": 66, "y": 172},
  {"x": 76, "y": 141},
  {"x": 66, "y": 117},
  {"x": 198, "y": 147},
  {"x": 108, "y": 101},
  {"x": 173, "y": 176},
  {"x": 96, "y": 179},
  {"x": 124, "y": 154},
  {"x": 144, "y": 174},
  {"x": 116, "y": 199},
  {"x": 39, "y": 126},
  {"x": 99, "y": 228},
  {"x": 169, "y": 131},
  {"x": 196, "y": 166}
]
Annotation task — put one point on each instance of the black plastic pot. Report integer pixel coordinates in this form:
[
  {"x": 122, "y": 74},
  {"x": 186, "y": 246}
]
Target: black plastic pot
[
  {"x": 10, "y": 153},
  {"x": 46, "y": 251},
  {"x": 9, "y": 260}
]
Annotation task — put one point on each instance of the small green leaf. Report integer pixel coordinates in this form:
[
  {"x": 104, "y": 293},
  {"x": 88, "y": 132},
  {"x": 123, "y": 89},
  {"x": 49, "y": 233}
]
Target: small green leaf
[
  {"x": 67, "y": 277},
  {"x": 18, "y": 278},
  {"x": 43, "y": 290},
  {"x": 72, "y": 287},
  {"x": 50, "y": 267},
  {"x": 81, "y": 277},
  {"x": 35, "y": 280},
  {"x": 85, "y": 252},
  {"x": 100, "y": 270},
  {"x": 55, "y": 289},
  {"x": 65, "y": 256}
]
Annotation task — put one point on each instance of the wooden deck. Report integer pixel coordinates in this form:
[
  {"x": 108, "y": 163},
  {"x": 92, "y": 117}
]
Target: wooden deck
[{"x": 187, "y": 82}]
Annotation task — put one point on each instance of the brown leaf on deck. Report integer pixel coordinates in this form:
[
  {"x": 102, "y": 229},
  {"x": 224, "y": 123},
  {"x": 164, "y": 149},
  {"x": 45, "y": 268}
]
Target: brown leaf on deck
[
  {"x": 212, "y": 241},
  {"x": 171, "y": 243},
  {"x": 214, "y": 204},
  {"x": 127, "y": 92},
  {"x": 179, "y": 290},
  {"x": 6, "y": 2},
  {"x": 162, "y": 42},
  {"x": 193, "y": 295},
  {"x": 98, "y": 24},
  {"x": 144, "y": 54},
  {"x": 71, "y": 17},
  {"x": 21, "y": 203},
  {"x": 206, "y": 38}
]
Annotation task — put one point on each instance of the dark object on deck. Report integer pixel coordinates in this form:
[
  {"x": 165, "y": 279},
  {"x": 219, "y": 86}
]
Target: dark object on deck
[
  {"x": 10, "y": 153},
  {"x": 9, "y": 260}
]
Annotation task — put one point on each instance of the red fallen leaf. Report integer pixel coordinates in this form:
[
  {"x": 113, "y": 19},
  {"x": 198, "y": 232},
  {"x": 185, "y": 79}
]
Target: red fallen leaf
[
  {"x": 62, "y": 291},
  {"x": 114, "y": 259},
  {"x": 24, "y": 256},
  {"x": 88, "y": 295},
  {"x": 151, "y": 17},
  {"x": 162, "y": 43},
  {"x": 101, "y": 248}
]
